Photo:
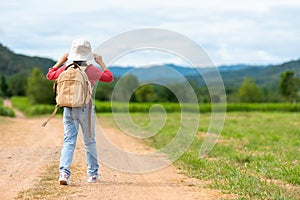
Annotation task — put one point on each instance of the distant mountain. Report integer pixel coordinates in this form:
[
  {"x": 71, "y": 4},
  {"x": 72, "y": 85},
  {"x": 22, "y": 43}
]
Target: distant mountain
[
  {"x": 265, "y": 76},
  {"x": 153, "y": 73},
  {"x": 120, "y": 71},
  {"x": 225, "y": 68},
  {"x": 11, "y": 63},
  {"x": 233, "y": 75},
  {"x": 150, "y": 73}
]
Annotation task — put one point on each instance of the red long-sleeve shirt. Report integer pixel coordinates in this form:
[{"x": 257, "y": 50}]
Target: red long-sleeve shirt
[{"x": 94, "y": 74}]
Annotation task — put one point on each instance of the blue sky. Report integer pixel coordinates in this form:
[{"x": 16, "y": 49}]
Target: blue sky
[{"x": 254, "y": 32}]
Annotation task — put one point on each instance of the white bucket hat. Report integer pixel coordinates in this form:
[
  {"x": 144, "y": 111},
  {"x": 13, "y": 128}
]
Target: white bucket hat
[{"x": 80, "y": 50}]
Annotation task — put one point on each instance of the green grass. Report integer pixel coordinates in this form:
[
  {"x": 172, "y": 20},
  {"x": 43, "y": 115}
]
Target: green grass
[
  {"x": 256, "y": 157},
  {"x": 23, "y": 104},
  {"x": 102, "y": 107}
]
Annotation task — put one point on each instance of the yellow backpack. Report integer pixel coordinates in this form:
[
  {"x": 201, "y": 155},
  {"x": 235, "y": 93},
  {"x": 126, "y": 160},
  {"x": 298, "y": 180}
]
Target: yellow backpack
[{"x": 72, "y": 88}]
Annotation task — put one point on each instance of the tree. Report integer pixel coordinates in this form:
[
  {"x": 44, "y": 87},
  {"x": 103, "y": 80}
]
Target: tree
[
  {"x": 183, "y": 92},
  {"x": 3, "y": 86},
  {"x": 288, "y": 86},
  {"x": 145, "y": 93},
  {"x": 17, "y": 84},
  {"x": 163, "y": 94},
  {"x": 124, "y": 88},
  {"x": 249, "y": 92},
  {"x": 39, "y": 89},
  {"x": 104, "y": 91}
]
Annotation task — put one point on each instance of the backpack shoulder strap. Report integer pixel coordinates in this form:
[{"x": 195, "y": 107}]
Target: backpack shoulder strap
[
  {"x": 51, "y": 116},
  {"x": 84, "y": 68},
  {"x": 75, "y": 66}
]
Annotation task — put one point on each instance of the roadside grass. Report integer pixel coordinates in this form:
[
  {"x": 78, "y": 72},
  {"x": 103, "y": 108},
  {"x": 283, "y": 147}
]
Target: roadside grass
[
  {"x": 5, "y": 111},
  {"x": 23, "y": 104},
  {"x": 256, "y": 157},
  {"x": 48, "y": 187}
]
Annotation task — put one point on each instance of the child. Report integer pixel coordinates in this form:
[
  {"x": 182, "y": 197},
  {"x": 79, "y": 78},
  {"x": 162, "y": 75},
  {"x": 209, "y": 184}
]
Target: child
[{"x": 80, "y": 53}]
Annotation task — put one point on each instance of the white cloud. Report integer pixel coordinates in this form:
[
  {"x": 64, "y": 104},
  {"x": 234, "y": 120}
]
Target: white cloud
[{"x": 233, "y": 31}]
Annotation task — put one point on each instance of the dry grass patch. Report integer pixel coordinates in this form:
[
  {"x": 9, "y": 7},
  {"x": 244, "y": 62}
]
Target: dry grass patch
[{"x": 48, "y": 186}]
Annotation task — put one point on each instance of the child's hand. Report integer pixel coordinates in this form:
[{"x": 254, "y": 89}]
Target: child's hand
[
  {"x": 64, "y": 58},
  {"x": 98, "y": 58},
  {"x": 61, "y": 61},
  {"x": 99, "y": 61}
]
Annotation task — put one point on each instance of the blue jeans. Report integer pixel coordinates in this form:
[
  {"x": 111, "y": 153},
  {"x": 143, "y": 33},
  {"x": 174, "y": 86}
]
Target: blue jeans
[{"x": 72, "y": 117}]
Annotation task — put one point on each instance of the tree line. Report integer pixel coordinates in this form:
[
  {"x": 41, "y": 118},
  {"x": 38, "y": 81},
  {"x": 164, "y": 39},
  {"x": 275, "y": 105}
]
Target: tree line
[{"x": 39, "y": 90}]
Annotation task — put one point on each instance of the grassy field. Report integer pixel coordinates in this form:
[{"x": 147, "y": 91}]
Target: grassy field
[
  {"x": 256, "y": 157},
  {"x": 23, "y": 104},
  {"x": 203, "y": 107},
  {"x": 29, "y": 109}
]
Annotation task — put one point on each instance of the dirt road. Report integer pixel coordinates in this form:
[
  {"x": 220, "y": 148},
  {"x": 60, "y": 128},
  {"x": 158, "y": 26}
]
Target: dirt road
[{"x": 26, "y": 149}]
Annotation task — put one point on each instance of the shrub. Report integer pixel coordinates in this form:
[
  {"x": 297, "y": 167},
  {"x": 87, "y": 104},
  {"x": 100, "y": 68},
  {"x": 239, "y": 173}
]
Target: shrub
[{"x": 5, "y": 111}]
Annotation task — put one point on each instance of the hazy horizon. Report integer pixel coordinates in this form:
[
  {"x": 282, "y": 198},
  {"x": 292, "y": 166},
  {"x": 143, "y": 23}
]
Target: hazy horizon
[{"x": 143, "y": 65}]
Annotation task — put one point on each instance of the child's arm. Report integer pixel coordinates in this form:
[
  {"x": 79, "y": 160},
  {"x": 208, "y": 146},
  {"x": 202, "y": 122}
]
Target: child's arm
[{"x": 56, "y": 70}]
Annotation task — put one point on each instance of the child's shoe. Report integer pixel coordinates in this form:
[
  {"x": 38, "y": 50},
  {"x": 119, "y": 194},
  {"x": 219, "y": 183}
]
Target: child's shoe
[
  {"x": 64, "y": 178},
  {"x": 94, "y": 178}
]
